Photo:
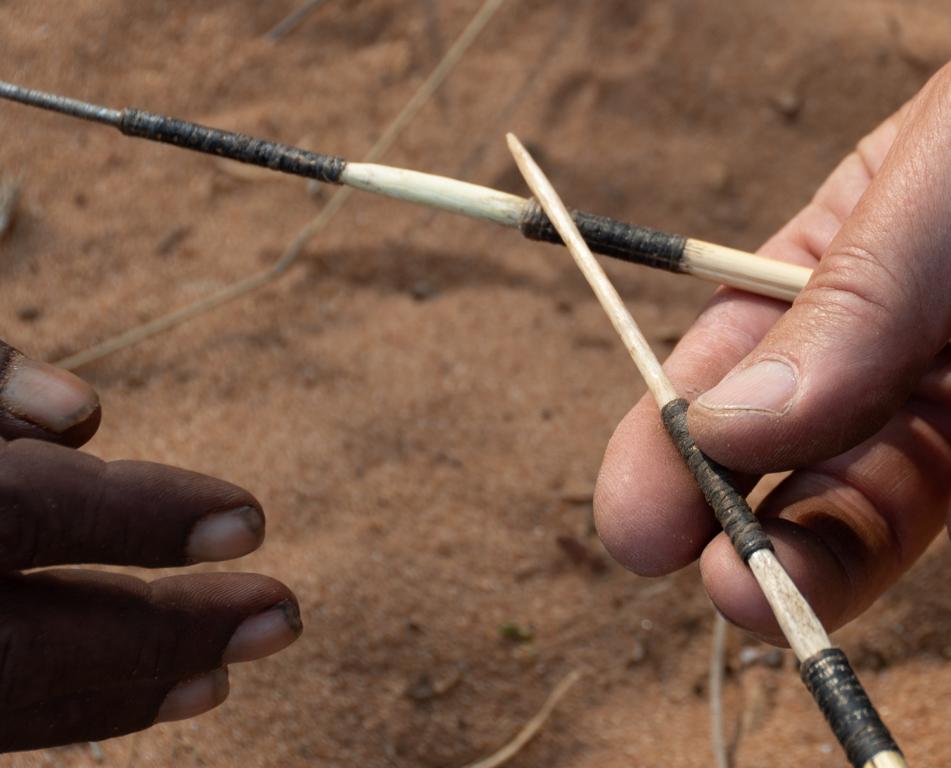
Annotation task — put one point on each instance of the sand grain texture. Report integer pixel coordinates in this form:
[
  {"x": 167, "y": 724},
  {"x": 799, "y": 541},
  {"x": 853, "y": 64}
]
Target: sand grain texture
[{"x": 422, "y": 404}]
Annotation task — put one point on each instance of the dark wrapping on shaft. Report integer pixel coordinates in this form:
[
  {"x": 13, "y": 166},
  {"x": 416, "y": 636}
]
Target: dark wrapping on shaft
[
  {"x": 839, "y": 694},
  {"x": 610, "y": 237},
  {"x": 731, "y": 509},
  {"x": 234, "y": 146}
]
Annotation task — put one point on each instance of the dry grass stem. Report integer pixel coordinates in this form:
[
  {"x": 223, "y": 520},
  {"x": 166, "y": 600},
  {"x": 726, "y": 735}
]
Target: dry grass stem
[
  {"x": 717, "y": 662},
  {"x": 9, "y": 198},
  {"x": 531, "y": 728},
  {"x": 290, "y": 255},
  {"x": 291, "y": 22}
]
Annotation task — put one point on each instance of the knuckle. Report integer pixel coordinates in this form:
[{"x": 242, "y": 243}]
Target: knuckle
[
  {"x": 20, "y": 538},
  {"x": 49, "y": 500},
  {"x": 857, "y": 301},
  {"x": 159, "y": 653},
  {"x": 90, "y": 504},
  {"x": 17, "y": 661},
  {"x": 164, "y": 643},
  {"x": 855, "y": 283}
]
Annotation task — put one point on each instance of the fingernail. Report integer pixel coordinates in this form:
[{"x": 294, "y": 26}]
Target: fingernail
[
  {"x": 224, "y": 535},
  {"x": 46, "y": 395},
  {"x": 194, "y": 696},
  {"x": 264, "y": 634},
  {"x": 765, "y": 387}
]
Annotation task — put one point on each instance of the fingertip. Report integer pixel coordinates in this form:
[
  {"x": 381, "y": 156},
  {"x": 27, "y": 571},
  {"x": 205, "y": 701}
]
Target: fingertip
[
  {"x": 226, "y": 535},
  {"x": 638, "y": 535},
  {"x": 265, "y": 633},
  {"x": 83, "y": 431},
  {"x": 647, "y": 508},
  {"x": 181, "y": 517},
  {"x": 224, "y": 594}
]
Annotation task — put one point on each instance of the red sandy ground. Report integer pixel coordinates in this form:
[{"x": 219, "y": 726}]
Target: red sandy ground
[{"x": 422, "y": 403}]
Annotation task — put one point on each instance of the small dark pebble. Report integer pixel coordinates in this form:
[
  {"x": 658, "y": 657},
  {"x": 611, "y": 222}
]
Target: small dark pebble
[
  {"x": 423, "y": 290},
  {"x": 422, "y": 689},
  {"x": 574, "y": 549},
  {"x": 637, "y": 655},
  {"x": 870, "y": 658},
  {"x": 699, "y": 687},
  {"x": 172, "y": 240},
  {"x": 787, "y": 103},
  {"x": 425, "y": 687},
  {"x": 445, "y": 458},
  {"x": 136, "y": 380},
  {"x": 580, "y": 554}
]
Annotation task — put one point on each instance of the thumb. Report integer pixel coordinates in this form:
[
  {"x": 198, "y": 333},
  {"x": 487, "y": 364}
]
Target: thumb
[{"x": 876, "y": 312}]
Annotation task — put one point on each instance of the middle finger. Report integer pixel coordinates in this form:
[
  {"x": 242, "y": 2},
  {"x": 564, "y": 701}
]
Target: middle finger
[{"x": 59, "y": 506}]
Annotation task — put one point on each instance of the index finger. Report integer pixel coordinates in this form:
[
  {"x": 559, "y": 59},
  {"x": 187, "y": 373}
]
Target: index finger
[{"x": 59, "y": 507}]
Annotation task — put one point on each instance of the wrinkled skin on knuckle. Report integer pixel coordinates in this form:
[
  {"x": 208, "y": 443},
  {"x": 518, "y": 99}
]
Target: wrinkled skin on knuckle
[
  {"x": 135, "y": 636},
  {"x": 175, "y": 642},
  {"x": 857, "y": 303},
  {"x": 20, "y": 537},
  {"x": 855, "y": 285},
  {"x": 66, "y": 633},
  {"x": 36, "y": 526},
  {"x": 153, "y": 651}
]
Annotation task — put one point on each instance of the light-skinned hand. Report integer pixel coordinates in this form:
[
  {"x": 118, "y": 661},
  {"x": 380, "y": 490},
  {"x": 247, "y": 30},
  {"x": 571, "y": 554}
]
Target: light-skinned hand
[{"x": 851, "y": 388}]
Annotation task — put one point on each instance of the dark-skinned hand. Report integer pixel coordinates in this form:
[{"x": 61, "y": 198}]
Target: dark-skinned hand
[
  {"x": 851, "y": 388},
  {"x": 85, "y": 655}
]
